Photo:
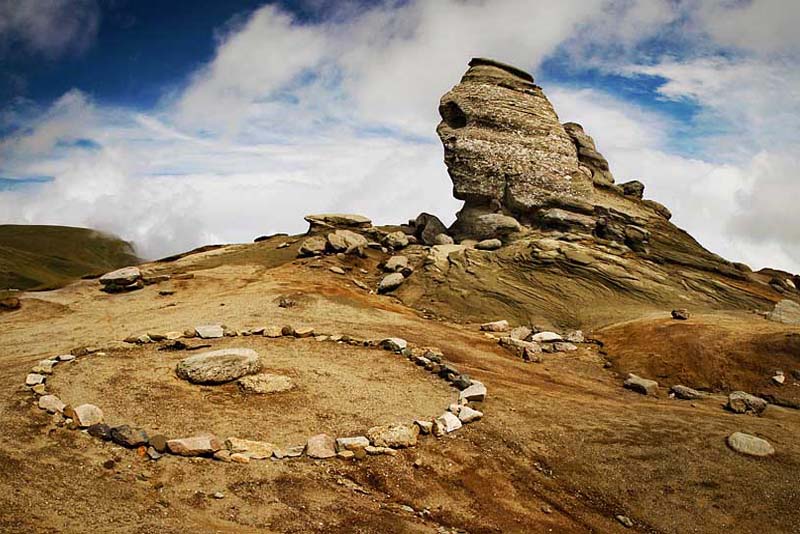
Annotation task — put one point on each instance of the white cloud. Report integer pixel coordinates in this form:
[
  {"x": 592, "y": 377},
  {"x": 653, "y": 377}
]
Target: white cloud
[
  {"x": 49, "y": 27},
  {"x": 292, "y": 118}
]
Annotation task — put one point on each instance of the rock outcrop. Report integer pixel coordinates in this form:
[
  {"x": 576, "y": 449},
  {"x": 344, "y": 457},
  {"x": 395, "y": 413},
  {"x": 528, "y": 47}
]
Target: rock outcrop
[{"x": 504, "y": 145}]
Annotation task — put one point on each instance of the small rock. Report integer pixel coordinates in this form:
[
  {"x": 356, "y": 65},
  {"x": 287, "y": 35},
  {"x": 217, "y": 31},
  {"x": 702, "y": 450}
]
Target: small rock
[
  {"x": 34, "y": 379},
  {"x": 374, "y": 451},
  {"x": 320, "y": 447},
  {"x": 396, "y": 435},
  {"x": 641, "y": 385},
  {"x": 545, "y": 337},
  {"x": 44, "y": 367},
  {"x": 65, "y": 357},
  {"x": 475, "y": 392},
  {"x": 520, "y": 332},
  {"x": 496, "y": 326},
  {"x": 390, "y": 282},
  {"x": 446, "y": 423},
  {"x": 575, "y": 336},
  {"x": 265, "y": 383},
  {"x": 256, "y": 450},
  {"x": 337, "y": 270},
  {"x": 347, "y": 241},
  {"x": 489, "y": 244},
  {"x": 239, "y": 458},
  {"x": 129, "y": 437},
  {"x": 750, "y": 445},
  {"x": 462, "y": 381},
  {"x": 51, "y": 404},
  {"x": 779, "y": 378},
  {"x": 562, "y": 346},
  {"x": 425, "y": 427},
  {"x": 121, "y": 277},
  {"x": 443, "y": 239},
  {"x": 211, "y": 331},
  {"x": 351, "y": 444},
  {"x": 303, "y": 331},
  {"x": 625, "y": 521},
  {"x": 153, "y": 454},
  {"x": 100, "y": 431},
  {"x": 468, "y": 415},
  {"x": 39, "y": 389},
  {"x": 396, "y": 240},
  {"x": 346, "y": 455},
  {"x": 218, "y": 495},
  {"x": 395, "y": 264},
  {"x": 313, "y": 246},
  {"x": 686, "y": 393},
  {"x": 395, "y": 344},
  {"x": 273, "y": 331},
  {"x": 681, "y": 314},
  {"x": 205, "y": 445},
  {"x": 741, "y": 402},
  {"x": 159, "y": 442},
  {"x": 84, "y": 415}
]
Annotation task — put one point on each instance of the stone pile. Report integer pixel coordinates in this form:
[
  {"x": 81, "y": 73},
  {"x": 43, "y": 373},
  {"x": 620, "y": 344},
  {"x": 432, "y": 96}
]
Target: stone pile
[
  {"x": 529, "y": 344},
  {"x": 125, "y": 279},
  {"x": 222, "y": 366}
]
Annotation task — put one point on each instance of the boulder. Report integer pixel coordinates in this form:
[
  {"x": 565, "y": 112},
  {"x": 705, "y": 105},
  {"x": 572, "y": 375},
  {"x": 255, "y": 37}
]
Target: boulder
[
  {"x": 129, "y": 437},
  {"x": 336, "y": 220},
  {"x": 489, "y": 244},
  {"x": 659, "y": 208},
  {"x": 313, "y": 246},
  {"x": 390, "y": 282},
  {"x": 204, "y": 445},
  {"x": 218, "y": 366},
  {"x": 634, "y": 189},
  {"x": 785, "y": 311},
  {"x": 320, "y": 447},
  {"x": 84, "y": 415},
  {"x": 51, "y": 404},
  {"x": 121, "y": 277},
  {"x": 396, "y": 435},
  {"x": 741, "y": 402},
  {"x": 427, "y": 227},
  {"x": 210, "y": 331},
  {"x": 750, "y": 445},
  {"x": 686, "y": 393},
  {"x": 396, "y": 240},
  {"x": 503, "y": 142},
  {"x": 443, "y": 239},
  {"x": 265, "y": 383},
  {"x": 396, "y": 264},
  {"x": 495, "y": 326},
  {"x": 641, "y": 385},
  {"x": 482, "y": 223},
  {"x": 346, "y": 241}
]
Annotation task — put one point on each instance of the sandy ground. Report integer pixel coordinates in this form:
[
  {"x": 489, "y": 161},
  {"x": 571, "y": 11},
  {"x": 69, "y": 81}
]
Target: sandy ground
[{"x": 563, "y": 447}]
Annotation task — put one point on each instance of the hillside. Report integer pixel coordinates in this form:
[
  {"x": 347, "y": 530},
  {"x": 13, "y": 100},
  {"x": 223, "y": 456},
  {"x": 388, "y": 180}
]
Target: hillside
[
  {"x": 416, "y": 378},
  {"x": 46, "y": 257}
]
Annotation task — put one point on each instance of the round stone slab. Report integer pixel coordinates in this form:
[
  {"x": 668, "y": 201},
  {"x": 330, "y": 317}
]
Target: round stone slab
[
  {"x": 750, "y": 445},
  {"x": 219, "y": 366}
]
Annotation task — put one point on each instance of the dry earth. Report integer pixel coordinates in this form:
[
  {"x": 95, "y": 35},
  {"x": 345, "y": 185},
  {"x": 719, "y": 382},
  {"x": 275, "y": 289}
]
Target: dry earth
[{"x": 563, "y": 447}]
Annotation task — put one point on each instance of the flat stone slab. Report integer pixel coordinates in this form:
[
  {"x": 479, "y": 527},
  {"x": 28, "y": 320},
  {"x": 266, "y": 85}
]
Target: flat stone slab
[
  {"x": 264, "y": 384},
  {"x": 219, "y": 366},
  {"x": 121, "y": 277},
  {"x": 320, "y": 447},
  {"x": 256, "y": 450},
  {"x": 194, "y": 446},
  {"x": 750, "y": 445},
  {"x": 85, "y": 415},
  {"x": 51, "y": 403},
  {"x": 545, "y": 337},
  {"x": 210, "y": 331},
  {"x": 686, "y": 393}
]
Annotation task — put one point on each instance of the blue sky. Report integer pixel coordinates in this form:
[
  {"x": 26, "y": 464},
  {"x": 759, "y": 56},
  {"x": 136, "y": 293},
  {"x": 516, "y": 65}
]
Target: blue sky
[{"x": 165, "y": 121}]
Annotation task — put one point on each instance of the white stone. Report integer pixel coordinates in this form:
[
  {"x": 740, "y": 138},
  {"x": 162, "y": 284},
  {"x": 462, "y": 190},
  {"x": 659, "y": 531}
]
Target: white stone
[
  {"x": 446, "y": 423},
  {"x": 545, "y": 337},
  {"x": 209, "y": 331},
  {"x": 475, "y": 392},
  {"x": 468, "y": 415}
]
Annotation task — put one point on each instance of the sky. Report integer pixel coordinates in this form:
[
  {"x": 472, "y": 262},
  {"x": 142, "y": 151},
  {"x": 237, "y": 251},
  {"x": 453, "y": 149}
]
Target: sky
[{"x": 182, "y": 123}]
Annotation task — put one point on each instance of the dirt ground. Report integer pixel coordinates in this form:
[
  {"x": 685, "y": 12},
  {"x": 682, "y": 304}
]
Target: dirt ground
[{"x": 563, "y": 447}]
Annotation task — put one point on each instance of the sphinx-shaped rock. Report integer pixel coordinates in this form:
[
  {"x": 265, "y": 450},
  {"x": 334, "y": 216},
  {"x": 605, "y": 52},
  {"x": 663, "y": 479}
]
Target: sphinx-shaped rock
[{"x": 503, "y": 142}]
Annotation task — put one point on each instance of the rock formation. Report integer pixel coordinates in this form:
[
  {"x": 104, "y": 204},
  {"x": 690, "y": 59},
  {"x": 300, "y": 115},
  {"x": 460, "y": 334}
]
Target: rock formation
[{"x": 504, "y": 145}]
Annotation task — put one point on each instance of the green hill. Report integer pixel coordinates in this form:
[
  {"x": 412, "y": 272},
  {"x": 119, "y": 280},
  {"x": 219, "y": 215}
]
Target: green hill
[{"x": 46, "y": 257}]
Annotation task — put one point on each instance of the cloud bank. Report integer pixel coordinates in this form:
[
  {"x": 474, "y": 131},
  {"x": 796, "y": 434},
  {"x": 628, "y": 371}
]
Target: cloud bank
[{"x": 289, "y": 118}]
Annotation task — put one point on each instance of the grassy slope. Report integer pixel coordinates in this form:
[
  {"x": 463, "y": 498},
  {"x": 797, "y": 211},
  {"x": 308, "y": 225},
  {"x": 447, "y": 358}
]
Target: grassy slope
[{"x": 43, "y": 257}]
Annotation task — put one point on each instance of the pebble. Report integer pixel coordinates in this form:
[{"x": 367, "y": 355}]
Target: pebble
[{"x": 625, "y": 521}]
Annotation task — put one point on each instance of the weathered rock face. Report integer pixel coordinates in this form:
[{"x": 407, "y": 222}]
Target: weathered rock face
[
  {"x": 592, "y": 160},
  {"x": 503, "y": 142}
]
